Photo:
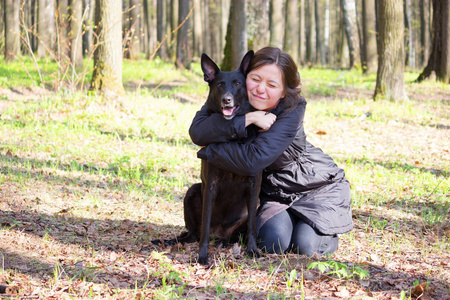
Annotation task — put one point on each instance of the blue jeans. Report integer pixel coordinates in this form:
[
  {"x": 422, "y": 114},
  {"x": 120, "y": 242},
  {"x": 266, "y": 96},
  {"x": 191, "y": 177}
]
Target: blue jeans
[{"x": 286, "y": 232}]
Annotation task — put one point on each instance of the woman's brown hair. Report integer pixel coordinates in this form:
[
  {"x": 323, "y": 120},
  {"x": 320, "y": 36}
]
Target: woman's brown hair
[{"x": 289, "y": 72}]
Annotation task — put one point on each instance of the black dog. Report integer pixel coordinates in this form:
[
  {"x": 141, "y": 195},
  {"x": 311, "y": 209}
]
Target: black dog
[{"x": 224, "y": 204}]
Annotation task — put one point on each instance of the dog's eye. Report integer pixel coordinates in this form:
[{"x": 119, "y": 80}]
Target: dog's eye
[
  {"x": 220, "y": 84},
  {"x": 237, "y": 83}
]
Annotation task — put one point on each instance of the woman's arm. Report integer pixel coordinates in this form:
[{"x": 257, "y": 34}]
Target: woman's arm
[
  {"x": 251, "y": 157},
  {"x": 209, "y": 128}
]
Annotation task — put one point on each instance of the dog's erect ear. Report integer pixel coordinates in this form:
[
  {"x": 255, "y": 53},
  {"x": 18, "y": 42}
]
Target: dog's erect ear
[
  {"x": 245, "y": 63},
  {"x": 209, "y": 68}
]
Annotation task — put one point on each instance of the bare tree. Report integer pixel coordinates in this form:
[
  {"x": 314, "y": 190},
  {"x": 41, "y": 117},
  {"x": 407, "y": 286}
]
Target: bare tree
[
  {"x": 258, "y": 23},
  {"x": 161, "y": 28},
  {"x": 319, "y": 32},
  {"x": 409, "y": 36},
  {"x": 134, "y": 47},
  {"x": 75, "y": 34},
  {"x": 198, "y": 40},
  {"x": 46, "y": 29},
  {"x": 390, "y": 81},
  {"x": 369, "y": 37},
  {"x": 439, "y": 60},
  {"x": 183, "y": 48},
  {"x": 424, "y": 32},
  {"x": 107, "y": 74},
  {"x": 276, "y": 23},
  {"x": 290, "y": 43},
  {"x": 302, "y": 33},
  {"x": 351, "y": 30},
  {"x": 12, "y": 29},
  {"x": 310, "y": 33},
  {"x": 239, "y": 31}
]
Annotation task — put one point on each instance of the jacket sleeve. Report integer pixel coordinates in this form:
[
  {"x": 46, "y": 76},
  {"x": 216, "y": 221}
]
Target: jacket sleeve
[
  {"x": 207, "y": 128},
  {"x": 251, "y": 157}
]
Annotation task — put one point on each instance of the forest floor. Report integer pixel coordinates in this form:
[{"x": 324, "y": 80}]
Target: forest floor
[{"x": 86, "y": 184}]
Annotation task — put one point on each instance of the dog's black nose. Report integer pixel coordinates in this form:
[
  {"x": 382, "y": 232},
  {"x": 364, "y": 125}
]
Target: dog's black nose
[{"x": 227, "y": 99}]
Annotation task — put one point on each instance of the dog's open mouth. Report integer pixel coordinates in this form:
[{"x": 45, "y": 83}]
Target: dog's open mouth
[{"x": 229, "y": 112}]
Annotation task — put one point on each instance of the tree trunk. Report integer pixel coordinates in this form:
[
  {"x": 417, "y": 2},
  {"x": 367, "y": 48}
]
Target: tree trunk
[
  {"x": 173, "y": 22},
  {"x": 198, "y": 40},
  {"x": 134, "y": 28},
  {"x": 290, "y": 44},
  {"x": 239, "y": 31},
  {"x": 302, "y": 34},
  {"x": 424, "y": 32},
  {"x": 107, "y": 74},
  {"x": 76, "y": 30},
  {"x": 409, "y": 41},
  {"x": 258, "y": 14},
  {"x": 161, "y": 29},
  {"x": 439, "y": 61},
  {"x": 183, "y": 52},
  {"x": 206, "y": 28},
  {"x": 351, "y": 30},
  {"x": 310, "y": 36},
  {"x": 12, "y": 30},
  {"x": 62, "y": 26},
  {"x": 215, "y": 28},
  {"x": 276, "y": 23},
  {"x": 369, "y": 37},
  {"x": 319, "y": 33},
  {"x": 46, "y": 29},
  {"x": 88, "y": 6},
  {"x": 390, "y": 82},
  {"x": 326, "y": 34}
]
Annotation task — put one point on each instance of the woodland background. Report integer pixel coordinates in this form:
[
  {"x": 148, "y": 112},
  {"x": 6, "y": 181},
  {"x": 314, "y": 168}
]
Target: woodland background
[{"x": 96, "y": 98}]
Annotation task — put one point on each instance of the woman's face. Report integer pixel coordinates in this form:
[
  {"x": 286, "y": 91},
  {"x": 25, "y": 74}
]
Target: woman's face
[{"x": 265, "y": 87}]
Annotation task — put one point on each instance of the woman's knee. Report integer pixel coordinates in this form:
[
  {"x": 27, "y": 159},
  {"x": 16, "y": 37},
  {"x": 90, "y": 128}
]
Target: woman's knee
[
  {"x": 306, "y": 240},
  {"x": 275, "y": 235}
]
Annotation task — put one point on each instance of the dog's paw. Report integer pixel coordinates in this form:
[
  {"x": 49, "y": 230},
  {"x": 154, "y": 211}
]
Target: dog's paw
[
  {"x": 253, "y": 253},
  {"x": 203, "y": 260}
]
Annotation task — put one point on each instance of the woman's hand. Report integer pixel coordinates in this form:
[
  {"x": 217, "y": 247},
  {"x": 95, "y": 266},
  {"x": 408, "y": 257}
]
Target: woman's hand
[{"x": 261, "y": 119}]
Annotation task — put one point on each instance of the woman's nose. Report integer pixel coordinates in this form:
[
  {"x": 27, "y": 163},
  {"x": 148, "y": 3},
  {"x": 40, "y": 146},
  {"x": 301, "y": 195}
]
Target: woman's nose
[{"x": 261, "y": 87}]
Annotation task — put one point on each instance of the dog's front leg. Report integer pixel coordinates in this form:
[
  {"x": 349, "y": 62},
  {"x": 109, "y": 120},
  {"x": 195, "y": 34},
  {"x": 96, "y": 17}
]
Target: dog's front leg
[
  {"x": 209, "y": 195},
  {"x": 252, "y": 206}
]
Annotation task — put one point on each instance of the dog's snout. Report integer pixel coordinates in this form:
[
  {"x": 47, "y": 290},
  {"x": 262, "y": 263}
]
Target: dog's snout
[{"x": 227, "y": 99}]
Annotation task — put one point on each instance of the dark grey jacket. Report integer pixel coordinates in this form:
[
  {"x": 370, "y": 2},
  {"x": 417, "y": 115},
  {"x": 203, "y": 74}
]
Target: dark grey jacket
[{"x": 296, "y": 175}]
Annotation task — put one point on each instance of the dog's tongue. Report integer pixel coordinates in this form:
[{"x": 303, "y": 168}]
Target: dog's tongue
[{"x": 228, "y": 111}]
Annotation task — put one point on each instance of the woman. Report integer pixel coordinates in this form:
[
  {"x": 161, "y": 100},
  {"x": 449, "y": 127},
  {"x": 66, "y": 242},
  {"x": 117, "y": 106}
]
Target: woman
[{"x": 305, "y": 198}]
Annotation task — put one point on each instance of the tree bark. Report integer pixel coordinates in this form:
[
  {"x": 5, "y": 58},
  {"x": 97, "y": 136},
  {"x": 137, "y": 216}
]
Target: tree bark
[
  {"x": 424, "y": 32},
  {"x": 310, "y": 34},
  {"x": 258, "y": 11},
  {"x": 239, "y": 31},
  {"x": 302, "y": 34},
  {"x": 134, "y": 27},
  {"x": 206, "y": 28},
  {"x": 351, "y": 30},
  {"x": 46, "y": 29},
  {"x": 12, "y": 30},
  {"x": 409, "y": 36},
  {"x": 276, "y": 23},
  {"x": 75, "y": 35},
  {"x": 390, "y": 81},
  {"x": 369, "y": 37},
  {"x": 88, "y": 22},
  {"x": 161, "y": 29},
  {"x": 183, "y": 48},
  {"x": 107, "y": 74},
  {"x": 198, "y": 40},
  {"x": 291, "y": 29},
  {"x": 439, "y": 61},
  {"x": 319, "y": 33}
]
